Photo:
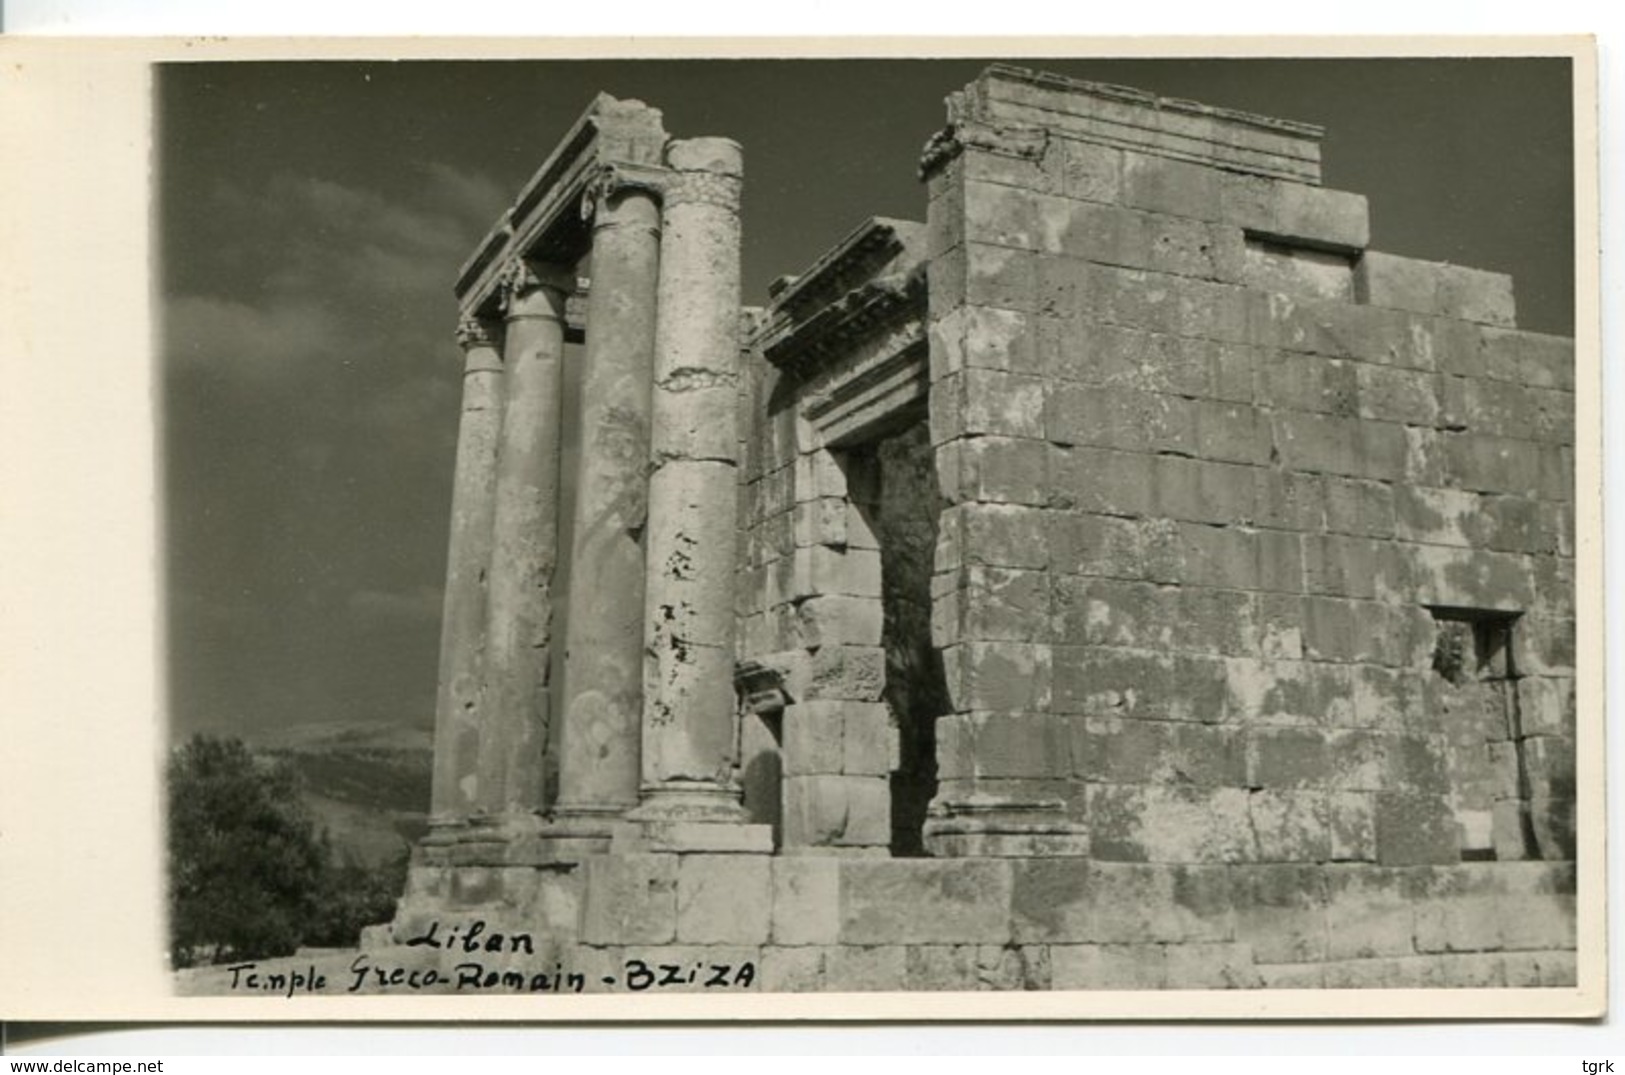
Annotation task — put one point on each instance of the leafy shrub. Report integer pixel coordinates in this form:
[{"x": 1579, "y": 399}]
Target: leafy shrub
[{"x": 246, "y": 864}]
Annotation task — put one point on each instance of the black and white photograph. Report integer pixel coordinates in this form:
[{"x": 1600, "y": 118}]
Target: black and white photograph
[{"x": 1074, "y": 529}]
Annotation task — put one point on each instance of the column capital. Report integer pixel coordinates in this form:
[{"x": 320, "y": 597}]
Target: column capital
[
  {"x": 613, "y": 179},
  {"x": 475, "y": 332},
  {"x": 522, "y": 277}
]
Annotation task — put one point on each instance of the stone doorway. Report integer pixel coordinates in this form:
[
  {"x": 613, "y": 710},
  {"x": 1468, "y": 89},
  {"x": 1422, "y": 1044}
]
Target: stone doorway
[{"x": 892, "y": 484}]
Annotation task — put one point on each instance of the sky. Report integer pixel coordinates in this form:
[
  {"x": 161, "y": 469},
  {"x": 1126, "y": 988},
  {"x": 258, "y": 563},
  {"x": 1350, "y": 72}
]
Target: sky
[{"x": 311, "y": 218}]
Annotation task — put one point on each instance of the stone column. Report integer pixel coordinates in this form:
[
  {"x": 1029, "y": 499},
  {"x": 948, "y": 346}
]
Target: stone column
[
  {"x": 462, "y": 621},
  {"x": 603, "y": 653},
  {"x": 689, "y": 708},
  {"x": 524, "y": 548}
]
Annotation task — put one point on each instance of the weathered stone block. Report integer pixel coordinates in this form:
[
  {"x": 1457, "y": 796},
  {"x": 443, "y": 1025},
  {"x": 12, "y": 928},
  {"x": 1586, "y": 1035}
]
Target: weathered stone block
[
  {"x": 812, "y": 738},
  {"x": 1100, "y": 481},
  {"x": 998, "y": 676},
  {"x": 1458, "y": 924},
  {"x": 1005, "y": 604},
  {"x": 1126, "y": 683},
  {"x": 852, "y": 969},
  {"x": 1470, "y": 578},
  {"x": 1280, "y": 911},
  {"x": 847, "y": 673},
  {"x": 1287, "y": 693},
  {"x": 1148, "y": 823},
  {"x": 1223, "y": 556},
  {"x": 994, "y": 469},
  {"x": 920, "y": 901},
  {"x": 1000, "y": 214},
  {"x": 792, "y": 970},
  {"x": 1215, "y": 621},
  {"x": 629, "y": 899},
  {"x": 1544, "y": 969},
  {"x": 1108, "y": 966},
  {"x": 1359, "y": 760},
  {"x": 806, "y": 900},
  {"x": 1288, "y": 501},
  {"x": 1482, "y": 462},
  {"x": 1415, "y": 828},
  {"x": 1198, "y": 491},
  {"x": 1030, "y": 745},
  {"x": 995, "y": 402},
  {"x": 1097, "y": 545},
  {"x": 1352, "y": 823},
  {"x": 1116, "y": 750},
  {"x": 937, "y": 967},
  {"x": 996, "y": 535},
  {"x": 822, "y": 570},
  {"x": 1369, "y": 912},
  {"x": 838, "y": 619},
  {"x": 1211, "y": 966},
  {"x": 723, "y": 899},
  {"x": 1000, "y": 276},
  {"x": 1231, "y": 432},
  {"x": 1111, "y": 612},
  {"x": 1318, "y": 217},
  {"x": 836, "y": 811},
  {"x": 1529, "y": 358},
  {"x": 1163, "y": 185},
  {"x": 1290, "y": 826},
  {"x": 1138, "y": 902},
  {"x": 1052, "y": 900},
  {"x": 1087, "y": 170}
]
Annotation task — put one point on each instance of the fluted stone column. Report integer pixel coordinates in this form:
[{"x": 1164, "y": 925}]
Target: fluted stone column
[
  {"x": 462, "y": 623},
  {"x": 524, "y": 551},
  {"x": 689, "y": 708},
  {"x": 603, "y": 659}
]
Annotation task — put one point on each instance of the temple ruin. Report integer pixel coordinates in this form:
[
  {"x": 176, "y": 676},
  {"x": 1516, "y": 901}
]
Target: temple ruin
[{"x": 1122, "y": 578}]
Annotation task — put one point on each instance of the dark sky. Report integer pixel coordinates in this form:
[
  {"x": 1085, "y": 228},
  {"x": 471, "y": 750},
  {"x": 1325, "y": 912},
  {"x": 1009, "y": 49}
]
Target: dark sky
[{"x": 312, "y": 218}]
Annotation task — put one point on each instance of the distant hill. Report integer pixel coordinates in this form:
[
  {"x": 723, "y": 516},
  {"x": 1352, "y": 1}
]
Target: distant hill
[{"x": 367, "y": 783}]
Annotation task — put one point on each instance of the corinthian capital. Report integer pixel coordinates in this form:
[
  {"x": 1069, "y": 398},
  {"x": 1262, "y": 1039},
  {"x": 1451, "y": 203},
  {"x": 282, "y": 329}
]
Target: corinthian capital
[
  {"x": 612, "y": 179},
  {"x": 522, "y": 276},
  {"x": 478, "y": 332}
]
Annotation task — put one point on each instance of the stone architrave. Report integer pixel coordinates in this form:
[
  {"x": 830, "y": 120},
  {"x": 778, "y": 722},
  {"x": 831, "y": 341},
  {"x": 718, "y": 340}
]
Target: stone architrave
[
  {"x": 462, "y": 632},
  {"x": 689, "y": 707},
  {"x": 524, "y": 551},
  {"x": 603, "y": 657}
]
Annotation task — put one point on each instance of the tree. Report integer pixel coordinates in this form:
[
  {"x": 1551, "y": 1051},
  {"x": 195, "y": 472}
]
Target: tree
[{"x": 246, "y": 863}]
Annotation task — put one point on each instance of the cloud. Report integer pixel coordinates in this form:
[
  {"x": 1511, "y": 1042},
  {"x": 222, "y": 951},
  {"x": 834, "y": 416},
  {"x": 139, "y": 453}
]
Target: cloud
[
  {"x": 335, "y": 274},
  {"x": 277, "y": 341}
]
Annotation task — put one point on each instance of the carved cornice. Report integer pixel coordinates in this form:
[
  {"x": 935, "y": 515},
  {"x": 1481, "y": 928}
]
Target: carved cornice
[
  {"x": 1025, "y": 143},
  {"x": 546, "y": 221},
  {"x": 854, "y": 317},
  {"x": 869, "y": 282},
  {"x": 479, "y": 332}
]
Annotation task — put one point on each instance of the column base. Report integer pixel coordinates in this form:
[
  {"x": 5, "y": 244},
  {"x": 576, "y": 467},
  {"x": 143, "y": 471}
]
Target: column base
[
  {"x": 691, "y": 816},
  {"x": 997, "y": 827},
  {"x": 482, "y": 840}
]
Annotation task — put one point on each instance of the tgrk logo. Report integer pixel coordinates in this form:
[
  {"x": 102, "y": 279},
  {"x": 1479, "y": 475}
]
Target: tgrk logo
[{"x": 1597, "y": 1067}]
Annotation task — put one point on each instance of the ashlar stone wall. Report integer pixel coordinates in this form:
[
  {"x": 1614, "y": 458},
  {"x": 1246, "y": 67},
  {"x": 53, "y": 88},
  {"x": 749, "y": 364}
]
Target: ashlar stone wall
[{"x": 1260, "y": 545}]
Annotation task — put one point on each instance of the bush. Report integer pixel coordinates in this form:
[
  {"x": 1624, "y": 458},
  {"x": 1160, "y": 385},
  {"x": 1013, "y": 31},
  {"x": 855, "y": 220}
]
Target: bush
[
  {"x": 353, "y": 896},
  {"x": 246, "y": 865}
]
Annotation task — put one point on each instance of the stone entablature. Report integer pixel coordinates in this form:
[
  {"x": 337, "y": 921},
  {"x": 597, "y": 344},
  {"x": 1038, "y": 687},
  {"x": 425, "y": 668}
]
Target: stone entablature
[{"x": 1125, "y": 578}]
